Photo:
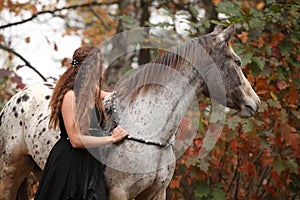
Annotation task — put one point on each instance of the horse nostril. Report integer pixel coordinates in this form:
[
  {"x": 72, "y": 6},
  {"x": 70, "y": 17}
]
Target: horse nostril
[{"x": 251, "y": 107}]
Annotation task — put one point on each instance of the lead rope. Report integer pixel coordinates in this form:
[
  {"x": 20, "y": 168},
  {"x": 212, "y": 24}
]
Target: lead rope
[{"x": 128, "y": 137}]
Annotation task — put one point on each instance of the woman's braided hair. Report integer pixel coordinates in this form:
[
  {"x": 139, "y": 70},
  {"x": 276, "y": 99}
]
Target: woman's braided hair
[{"x": 85, "y": 78}]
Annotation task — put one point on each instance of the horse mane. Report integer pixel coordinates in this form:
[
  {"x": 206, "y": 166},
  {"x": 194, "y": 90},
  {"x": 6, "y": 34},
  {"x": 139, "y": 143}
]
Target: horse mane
[{"x": 161, "y": 70}]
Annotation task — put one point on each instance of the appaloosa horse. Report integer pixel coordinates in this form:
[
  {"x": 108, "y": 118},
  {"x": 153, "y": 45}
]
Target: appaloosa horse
[{"x": 150, "y": 104}]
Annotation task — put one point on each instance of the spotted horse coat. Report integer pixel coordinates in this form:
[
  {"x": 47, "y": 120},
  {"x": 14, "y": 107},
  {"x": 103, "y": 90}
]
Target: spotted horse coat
[{"x": 27, "y": 142}]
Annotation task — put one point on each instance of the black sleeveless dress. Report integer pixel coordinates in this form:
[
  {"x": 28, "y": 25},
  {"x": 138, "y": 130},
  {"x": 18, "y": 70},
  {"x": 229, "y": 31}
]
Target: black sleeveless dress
[{"x": 71, "y": 173}]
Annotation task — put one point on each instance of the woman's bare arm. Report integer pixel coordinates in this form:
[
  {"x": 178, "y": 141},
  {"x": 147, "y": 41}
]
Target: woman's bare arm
[{"x": 79, "y": 140}]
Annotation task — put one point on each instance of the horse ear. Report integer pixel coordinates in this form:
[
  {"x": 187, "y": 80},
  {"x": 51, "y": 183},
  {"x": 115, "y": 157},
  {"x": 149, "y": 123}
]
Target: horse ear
[
  {"x": 218, "y": 29},
  {"x": 225, "y": 35}
]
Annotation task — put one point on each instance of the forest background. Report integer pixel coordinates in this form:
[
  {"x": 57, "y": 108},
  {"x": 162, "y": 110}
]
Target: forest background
[{"x": 256, "y": 158}]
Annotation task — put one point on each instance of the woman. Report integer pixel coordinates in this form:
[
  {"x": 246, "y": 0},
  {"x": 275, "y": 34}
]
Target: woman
[{"x": 71, "y": 172}]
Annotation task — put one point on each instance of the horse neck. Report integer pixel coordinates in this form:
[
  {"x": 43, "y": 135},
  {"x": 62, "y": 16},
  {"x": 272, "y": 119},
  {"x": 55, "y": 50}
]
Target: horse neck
[
  {"x": 156, "y": 115},
  {"x": 185, "y": 87}
]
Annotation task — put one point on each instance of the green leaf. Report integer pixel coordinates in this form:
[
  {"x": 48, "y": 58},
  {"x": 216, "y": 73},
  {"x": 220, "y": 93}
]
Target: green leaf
[
  {"x": 285, "y": 47},
  {"x": 168, "y": 12},
  {"x": 218, "y": 194},
  {"x": 246, "y": 59},
  {"x": 230, "y": 8},
  {"x": 203, "y": 165},
  {"x": 278, "y": 166},
  {"x": 273, "y": 103},
  {"x": 248, "y": 126},
  {"x": 194, "y": 11},
  {"x": 192, "y": 160},
  {"x": 130, "y": 22},
  {"x": 268, "y": 50},
  {"x": 202, "y": 190},
  {"x": 292, "y": 164},
  {"x": 259, "y": 63}
]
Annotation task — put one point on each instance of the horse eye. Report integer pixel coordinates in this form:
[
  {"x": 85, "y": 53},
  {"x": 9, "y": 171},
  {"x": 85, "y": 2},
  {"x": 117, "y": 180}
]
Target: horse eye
[{"x": 238, "y": 62}]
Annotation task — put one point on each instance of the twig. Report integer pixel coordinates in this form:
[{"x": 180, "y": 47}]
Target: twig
[
  {"x": 235, "y": 174},
  {"x": 223, "y": 159},
  {"x": 27, "y": 63},
  {"x": 56, "y": 10},
  {"x": 237, "y": 186},
  {"x": 266, "y": 171},
  {"x": 99, "y": 18}
]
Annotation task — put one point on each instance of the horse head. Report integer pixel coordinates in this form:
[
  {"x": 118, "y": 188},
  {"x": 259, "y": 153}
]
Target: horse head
[{"x": 238, "y": 91}]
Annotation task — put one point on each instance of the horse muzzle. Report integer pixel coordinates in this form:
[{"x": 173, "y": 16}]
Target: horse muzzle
[{"x": 250, "y": 108}]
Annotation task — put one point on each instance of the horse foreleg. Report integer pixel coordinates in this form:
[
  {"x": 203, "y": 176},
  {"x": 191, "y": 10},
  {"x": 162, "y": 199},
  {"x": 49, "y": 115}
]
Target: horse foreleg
[{"x": 13, "y": 172}]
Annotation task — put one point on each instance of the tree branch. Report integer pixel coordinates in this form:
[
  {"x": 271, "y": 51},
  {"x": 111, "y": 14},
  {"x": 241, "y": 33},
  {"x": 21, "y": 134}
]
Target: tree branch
[
  {"x": 57, "y": 10},
  {"x": 27, "y": 63}
]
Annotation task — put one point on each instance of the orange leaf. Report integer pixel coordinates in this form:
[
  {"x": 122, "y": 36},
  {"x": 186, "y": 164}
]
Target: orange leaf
[
  {"x": 175, "y": 182},
  {"x": 260, "y": 5},
  {"x": 243, "y": 37},
  {"x": 277, "y": 39},
  {"x": 216, "y": 2},
  {"x": 293, "y": 96},
  {"x": 33, "y": 9}
]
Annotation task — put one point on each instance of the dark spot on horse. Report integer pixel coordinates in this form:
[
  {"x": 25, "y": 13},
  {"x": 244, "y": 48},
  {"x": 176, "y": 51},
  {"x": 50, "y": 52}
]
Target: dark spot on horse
[
  {"x": 1, "y": 118},
  {"x": 21, "y": 123},
  {"x": 48, "y": 142},
  {"x": 44, "y": 129},
  {"x": 25, "y": 97},
  {"x": 40, "y": 115},
  {"x": 48, "y": 85},
  {"x": 14, "y": 109},
  {"x": 34, "y": 136},
  {"x": 12, "y": 137},
  {"x": 16, "y": 114},
  {"x": 36, "y": 152},
  {"x": 18, "y": 100},
  {"x": 4, "y": 152},
  {"x": 28, "y": 135},
  {"x": 56, "y": 137},
  {"x": 47, "y": 97},
  {"x": 32, "y": 114},
  {"x": 22, "y": 110}
]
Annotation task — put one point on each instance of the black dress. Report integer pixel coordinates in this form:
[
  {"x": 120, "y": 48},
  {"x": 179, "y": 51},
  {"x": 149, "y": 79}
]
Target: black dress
[{"x": 71, "y": 173}]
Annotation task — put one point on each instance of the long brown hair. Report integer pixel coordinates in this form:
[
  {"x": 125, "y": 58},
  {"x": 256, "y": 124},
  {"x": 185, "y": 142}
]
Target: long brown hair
[{"x": 85, "y": 78}]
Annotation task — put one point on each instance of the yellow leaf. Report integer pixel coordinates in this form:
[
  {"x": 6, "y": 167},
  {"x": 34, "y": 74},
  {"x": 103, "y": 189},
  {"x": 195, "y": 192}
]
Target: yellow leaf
[
  {"x": 260, "y": 5},
  {"x": 243, "y": 37}
]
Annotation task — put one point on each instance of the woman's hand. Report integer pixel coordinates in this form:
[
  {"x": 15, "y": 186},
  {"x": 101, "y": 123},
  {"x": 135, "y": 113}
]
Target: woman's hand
[{"x": 118, "y": 134}]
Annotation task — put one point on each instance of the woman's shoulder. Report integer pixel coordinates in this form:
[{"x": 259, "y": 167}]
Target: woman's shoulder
[{"x": 69, "y": 93}]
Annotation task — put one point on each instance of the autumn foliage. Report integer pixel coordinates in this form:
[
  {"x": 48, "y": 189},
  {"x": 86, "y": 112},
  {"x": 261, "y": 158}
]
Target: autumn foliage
[{"x": 257, "y": 158}]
